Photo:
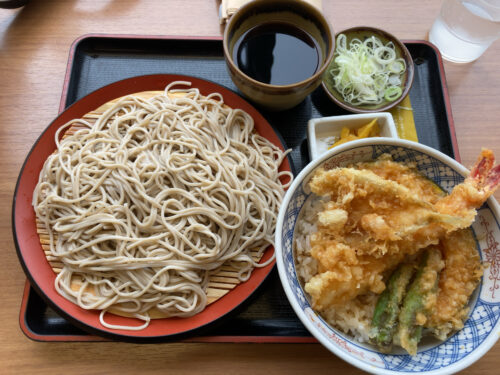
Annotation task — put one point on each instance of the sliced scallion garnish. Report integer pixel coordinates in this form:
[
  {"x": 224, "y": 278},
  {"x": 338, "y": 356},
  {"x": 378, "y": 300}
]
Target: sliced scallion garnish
[{"x": 366, "y": 72}]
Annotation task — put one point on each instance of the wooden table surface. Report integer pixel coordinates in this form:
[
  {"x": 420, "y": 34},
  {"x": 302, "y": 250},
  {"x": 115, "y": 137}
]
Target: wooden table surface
[{"x": 34, "y": 46}]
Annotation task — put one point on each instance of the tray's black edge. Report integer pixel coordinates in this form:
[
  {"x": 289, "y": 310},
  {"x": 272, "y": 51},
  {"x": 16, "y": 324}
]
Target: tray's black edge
[
  {"x": 67, "y": 79},
  {"x": 82, "y": 38},
  {"x": 28, "y": 332},
  {"x": 446, "y": 96}
]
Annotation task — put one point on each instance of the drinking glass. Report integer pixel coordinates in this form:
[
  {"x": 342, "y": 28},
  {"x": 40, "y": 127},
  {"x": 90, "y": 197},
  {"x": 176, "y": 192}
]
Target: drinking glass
[{"x": 464, "y": 29}]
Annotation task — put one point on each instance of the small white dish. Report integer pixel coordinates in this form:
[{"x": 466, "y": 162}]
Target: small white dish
[{"x": 324, "y": 131}]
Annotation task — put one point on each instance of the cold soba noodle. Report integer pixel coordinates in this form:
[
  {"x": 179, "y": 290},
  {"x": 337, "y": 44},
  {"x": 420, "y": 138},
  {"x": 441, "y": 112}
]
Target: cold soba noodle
[{"x": 144, "y": 205}]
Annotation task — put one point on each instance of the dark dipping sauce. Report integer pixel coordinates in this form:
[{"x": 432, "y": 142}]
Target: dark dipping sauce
[{"x": 277, "y": 53}]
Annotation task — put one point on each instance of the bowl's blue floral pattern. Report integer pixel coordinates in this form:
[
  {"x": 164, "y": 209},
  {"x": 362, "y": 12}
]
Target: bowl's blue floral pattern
[{"x": 485, "y": 314}]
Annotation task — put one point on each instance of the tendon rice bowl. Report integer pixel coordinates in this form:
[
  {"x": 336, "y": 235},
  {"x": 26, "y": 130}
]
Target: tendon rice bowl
[{"x": 347, "y": 330}]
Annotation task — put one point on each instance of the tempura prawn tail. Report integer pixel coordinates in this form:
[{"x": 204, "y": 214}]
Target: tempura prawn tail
[
  {"x": 481, "y": 183},
  {"x": 484, "y": 173}
]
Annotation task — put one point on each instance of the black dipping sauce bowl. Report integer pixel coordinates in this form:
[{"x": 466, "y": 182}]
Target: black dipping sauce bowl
[{"x": 277, "y": 51}]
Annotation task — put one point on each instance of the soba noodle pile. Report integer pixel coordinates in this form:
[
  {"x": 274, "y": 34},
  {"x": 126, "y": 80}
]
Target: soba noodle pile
[{"x": 144, "y": 205}]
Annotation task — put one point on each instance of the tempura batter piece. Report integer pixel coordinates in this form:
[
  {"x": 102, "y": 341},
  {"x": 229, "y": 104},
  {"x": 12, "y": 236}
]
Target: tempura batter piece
[
  {"x": 406, "y": 175},
  {"x": 458, "y": 280},
  {"x": 342, "y": 274}
]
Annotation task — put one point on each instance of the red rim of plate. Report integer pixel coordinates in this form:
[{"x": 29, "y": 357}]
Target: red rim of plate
[{"x": 31, "y": 254}]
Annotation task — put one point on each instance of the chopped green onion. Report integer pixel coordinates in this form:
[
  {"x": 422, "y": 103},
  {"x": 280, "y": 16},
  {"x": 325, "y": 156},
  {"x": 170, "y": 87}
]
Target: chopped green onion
[
  {"x": 367, "y": 72},
  {"x": 392, "y": 93}
]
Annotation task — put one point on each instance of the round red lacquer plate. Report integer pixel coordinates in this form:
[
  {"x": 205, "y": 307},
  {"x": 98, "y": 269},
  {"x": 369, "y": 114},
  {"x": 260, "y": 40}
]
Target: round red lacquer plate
[{"x": 33, "y": 258}]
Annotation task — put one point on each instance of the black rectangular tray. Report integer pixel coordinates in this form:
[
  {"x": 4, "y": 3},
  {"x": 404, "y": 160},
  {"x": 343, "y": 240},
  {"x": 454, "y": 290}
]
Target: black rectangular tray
[{"x": 98, "y": 60}]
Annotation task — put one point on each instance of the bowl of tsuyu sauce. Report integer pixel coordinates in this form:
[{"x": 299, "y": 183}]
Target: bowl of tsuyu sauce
[{"x": 277, "y": 51}]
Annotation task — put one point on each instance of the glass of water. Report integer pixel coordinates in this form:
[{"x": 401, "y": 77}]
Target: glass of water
[{"x": 464, "y": 29}]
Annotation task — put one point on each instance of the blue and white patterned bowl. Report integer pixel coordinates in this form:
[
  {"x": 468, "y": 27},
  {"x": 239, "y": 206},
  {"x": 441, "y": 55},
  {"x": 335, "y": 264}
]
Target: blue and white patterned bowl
[{"x": 481, "y": 330}]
